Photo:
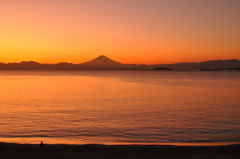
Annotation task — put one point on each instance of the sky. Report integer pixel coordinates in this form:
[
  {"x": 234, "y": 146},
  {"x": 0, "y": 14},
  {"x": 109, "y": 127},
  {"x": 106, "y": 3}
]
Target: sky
[{"x": 128, "y": 31}]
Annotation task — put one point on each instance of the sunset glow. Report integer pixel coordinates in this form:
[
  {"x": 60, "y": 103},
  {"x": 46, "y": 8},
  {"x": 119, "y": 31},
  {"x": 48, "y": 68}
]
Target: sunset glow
[{"x": 128, "y": 31}]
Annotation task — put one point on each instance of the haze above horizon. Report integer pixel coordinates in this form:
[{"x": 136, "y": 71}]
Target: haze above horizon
[{"x": 130, "y": 31}]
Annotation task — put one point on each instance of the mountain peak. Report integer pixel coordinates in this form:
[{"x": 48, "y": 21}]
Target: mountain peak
[
  {"x": 102, "y": 60},
  {"x": 102, "y": 57}
]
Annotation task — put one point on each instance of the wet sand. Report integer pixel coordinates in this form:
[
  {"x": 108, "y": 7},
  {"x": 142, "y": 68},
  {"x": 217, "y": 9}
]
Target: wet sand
[{"x": 30, "y": 151}]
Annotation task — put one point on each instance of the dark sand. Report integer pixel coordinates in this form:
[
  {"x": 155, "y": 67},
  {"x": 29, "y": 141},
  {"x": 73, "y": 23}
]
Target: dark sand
[{"x": 22, "y": 151}]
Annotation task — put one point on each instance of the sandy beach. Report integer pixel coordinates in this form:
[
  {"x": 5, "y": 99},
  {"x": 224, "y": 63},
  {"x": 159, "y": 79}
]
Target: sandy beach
[{"x": 27, "y": 151}]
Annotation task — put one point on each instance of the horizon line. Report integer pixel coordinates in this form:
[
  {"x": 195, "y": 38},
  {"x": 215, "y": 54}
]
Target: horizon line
[{"x": 115, "y": 61}]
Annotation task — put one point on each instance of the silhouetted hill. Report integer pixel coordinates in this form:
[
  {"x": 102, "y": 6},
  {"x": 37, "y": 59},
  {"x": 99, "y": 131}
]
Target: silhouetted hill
[
  {"x": 211, "y": 65},
  {"x": 105, "y": 63},
  {"x": 31, "y": 65},
  {"x": 162, "y": 69}
]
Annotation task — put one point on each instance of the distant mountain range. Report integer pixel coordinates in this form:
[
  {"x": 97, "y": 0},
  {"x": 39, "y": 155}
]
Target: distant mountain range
[{"x": 105, "y": 63}]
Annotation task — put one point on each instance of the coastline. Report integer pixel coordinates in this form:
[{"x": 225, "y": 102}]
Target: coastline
[{"x": 25, "y": 151}]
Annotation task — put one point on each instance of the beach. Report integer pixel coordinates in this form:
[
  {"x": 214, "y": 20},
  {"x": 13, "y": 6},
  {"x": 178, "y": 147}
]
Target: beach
[{"x": 27, "y": 151}]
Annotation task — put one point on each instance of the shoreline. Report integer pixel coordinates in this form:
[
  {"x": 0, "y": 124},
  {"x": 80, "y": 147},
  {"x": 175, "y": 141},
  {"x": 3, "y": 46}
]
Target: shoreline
[
  {"x": 49, "y": 142},
  {"x": 25, "y": 151}
]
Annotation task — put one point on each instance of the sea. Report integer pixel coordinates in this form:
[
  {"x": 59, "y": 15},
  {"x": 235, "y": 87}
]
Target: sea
[{"x": 119, "y": 107}]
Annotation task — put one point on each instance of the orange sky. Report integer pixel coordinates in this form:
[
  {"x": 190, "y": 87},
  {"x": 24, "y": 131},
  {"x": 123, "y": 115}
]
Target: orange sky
[{"x": 128, "y": 31}]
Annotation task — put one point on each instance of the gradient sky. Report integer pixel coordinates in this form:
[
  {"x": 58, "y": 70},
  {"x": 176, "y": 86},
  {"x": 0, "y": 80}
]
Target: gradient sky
[{"x": 128, "y": 31}]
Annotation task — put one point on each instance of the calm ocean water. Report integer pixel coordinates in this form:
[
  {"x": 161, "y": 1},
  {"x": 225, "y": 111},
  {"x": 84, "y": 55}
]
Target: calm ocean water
[{"x": 108, "y": 107}]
